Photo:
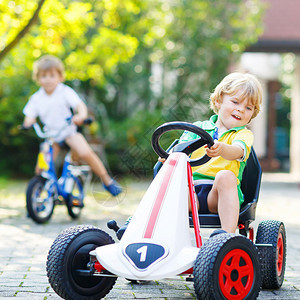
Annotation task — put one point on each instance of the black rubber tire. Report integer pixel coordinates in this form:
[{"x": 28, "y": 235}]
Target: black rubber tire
[
  {"x": 36, "y": 187},
  {"x": 219, "y": 261},
  {"x": 75, "y": 211},
  {"x": 70, "y": 251},
  {"x": 273, "y": 259}
]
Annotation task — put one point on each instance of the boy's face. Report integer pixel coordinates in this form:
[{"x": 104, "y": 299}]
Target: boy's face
[
  {"x": 49, "y": 79},
  {"x": 233, "y": 111}
]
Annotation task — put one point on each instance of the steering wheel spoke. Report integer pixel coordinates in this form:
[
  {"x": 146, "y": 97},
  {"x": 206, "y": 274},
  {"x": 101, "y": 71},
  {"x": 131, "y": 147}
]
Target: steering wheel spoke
[{"x": 186, "y": 147}]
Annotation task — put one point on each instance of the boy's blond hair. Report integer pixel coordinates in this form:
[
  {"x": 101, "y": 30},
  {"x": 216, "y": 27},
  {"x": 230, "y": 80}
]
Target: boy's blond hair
[
  {"x": 45, "y": 63},
  {"x": 249, "y": 86}
]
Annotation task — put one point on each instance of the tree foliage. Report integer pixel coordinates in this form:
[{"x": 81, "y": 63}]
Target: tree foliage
[{"x": 131, "y": 59}]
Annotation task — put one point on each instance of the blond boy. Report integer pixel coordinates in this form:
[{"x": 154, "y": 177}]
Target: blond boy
[{"x": 236, "y": 101}]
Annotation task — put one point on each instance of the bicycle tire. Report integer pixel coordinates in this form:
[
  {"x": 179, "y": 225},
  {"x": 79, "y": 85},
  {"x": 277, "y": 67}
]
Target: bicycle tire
[{"x": 39, "y": 200}]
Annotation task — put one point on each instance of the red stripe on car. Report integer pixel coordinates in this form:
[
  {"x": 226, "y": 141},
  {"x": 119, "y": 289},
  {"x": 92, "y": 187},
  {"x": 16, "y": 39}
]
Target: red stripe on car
[{"x": 161, "y": 196}]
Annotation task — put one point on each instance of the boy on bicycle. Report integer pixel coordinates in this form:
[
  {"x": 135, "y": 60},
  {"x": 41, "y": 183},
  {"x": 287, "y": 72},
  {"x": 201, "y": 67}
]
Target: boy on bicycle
[{"x": 52, "y": 104}]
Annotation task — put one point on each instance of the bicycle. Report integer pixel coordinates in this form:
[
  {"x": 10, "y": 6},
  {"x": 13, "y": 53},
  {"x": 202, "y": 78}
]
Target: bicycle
[{"x": 46, "y": 190}]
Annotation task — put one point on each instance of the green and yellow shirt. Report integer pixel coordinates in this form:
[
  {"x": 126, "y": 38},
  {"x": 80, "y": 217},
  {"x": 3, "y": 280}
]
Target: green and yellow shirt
[{"x": 236, "y": 135}]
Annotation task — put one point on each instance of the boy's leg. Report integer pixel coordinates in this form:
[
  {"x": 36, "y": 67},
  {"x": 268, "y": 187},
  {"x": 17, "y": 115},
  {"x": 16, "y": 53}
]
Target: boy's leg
[
  {"x": 56, "y": 150},
  {"x": 79, "y": 144},
  {"x": 223, "y": 199}
]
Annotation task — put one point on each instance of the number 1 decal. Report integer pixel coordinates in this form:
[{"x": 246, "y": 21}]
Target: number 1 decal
[
  {"x": 143, "y": 252},
  {"x": 137, "y": 253}
]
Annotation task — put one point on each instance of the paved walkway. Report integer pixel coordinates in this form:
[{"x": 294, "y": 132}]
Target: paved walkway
[{"x": 24, "y": 245}]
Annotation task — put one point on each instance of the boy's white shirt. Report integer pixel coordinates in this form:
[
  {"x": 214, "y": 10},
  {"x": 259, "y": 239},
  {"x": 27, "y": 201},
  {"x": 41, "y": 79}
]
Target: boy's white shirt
[{"x": 54, "y": 109}]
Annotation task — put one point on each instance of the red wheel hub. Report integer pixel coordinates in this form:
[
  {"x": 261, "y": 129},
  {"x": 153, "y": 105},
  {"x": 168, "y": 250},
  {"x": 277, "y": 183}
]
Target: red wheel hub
[
  {"x": 279, "y": 256},
  {"x": 236, "y": 274}
]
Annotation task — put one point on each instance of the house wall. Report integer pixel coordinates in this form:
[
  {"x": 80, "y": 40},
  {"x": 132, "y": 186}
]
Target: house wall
[
  {"x": 266, "y": 67},
  {"x": 295, "y": 122}
]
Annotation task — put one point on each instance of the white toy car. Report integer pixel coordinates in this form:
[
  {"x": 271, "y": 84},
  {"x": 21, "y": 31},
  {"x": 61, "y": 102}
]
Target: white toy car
[{"x": 84, "y": 261}]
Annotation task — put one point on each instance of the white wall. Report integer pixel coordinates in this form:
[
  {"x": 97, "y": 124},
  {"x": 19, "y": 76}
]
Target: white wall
[
  {"x": 295, "y": 123},
  {"x": 266, "y": 67}
]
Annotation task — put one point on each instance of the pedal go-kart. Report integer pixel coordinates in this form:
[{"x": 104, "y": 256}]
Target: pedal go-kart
[{"x": 84, "y": 262}]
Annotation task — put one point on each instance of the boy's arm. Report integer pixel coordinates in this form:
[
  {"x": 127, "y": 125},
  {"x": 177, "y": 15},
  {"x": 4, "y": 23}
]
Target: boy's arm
[
  {"x": 229, "y": 152},
  {"x": 82, "y": 113},
  {"x": 28, "y": 121}
]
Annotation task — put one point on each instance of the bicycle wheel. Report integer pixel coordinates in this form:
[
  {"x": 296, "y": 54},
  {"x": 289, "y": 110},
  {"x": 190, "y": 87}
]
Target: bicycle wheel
[
  {"x": 75, "y": 202},
  {"x": 40, "y": 196}
]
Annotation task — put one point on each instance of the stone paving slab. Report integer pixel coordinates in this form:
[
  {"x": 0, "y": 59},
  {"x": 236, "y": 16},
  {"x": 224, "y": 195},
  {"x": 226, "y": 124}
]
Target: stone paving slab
[{"x": 24, "y": 245}]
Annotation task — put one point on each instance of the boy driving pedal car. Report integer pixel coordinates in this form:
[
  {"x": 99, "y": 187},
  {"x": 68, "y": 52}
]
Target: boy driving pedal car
[{"x": 236, "y": 101}]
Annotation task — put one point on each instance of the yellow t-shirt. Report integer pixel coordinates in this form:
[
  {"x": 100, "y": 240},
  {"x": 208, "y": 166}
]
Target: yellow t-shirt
[{"x": 236, "y": 135}]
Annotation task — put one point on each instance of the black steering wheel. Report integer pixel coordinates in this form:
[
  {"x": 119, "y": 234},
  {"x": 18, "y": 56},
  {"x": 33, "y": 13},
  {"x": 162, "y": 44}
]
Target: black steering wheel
[{"x": 186, "y": 147}]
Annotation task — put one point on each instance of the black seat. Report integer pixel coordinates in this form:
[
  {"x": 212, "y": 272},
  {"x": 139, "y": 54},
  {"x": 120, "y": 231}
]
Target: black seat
[{"x": 250, "y": 186}]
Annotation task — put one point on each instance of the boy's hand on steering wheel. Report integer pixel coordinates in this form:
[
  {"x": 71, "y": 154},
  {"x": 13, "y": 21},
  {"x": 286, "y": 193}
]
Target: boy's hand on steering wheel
[
  {"x": 162, "y": 160},
  {"x": 215, "y": 150}
]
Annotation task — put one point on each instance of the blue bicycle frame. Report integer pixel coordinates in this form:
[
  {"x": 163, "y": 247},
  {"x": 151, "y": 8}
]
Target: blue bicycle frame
[{"x": 64, "y": 184}]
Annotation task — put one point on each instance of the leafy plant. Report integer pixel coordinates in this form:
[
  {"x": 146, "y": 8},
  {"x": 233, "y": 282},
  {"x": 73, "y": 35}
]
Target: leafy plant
[{"x": 133, "y": 61}]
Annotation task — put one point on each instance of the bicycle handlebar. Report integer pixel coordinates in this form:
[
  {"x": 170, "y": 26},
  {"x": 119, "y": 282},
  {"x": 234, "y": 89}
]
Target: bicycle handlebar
[
  {"x": 44, "y": 135},
  {"x": 88, "y": 121}
]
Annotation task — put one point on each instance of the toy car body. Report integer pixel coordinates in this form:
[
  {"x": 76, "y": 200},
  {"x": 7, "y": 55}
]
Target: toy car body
[{"x": 84, "y": 262}]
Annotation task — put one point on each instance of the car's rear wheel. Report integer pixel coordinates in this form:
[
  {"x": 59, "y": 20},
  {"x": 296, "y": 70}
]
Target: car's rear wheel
[{"x": 273, "y": 257}]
